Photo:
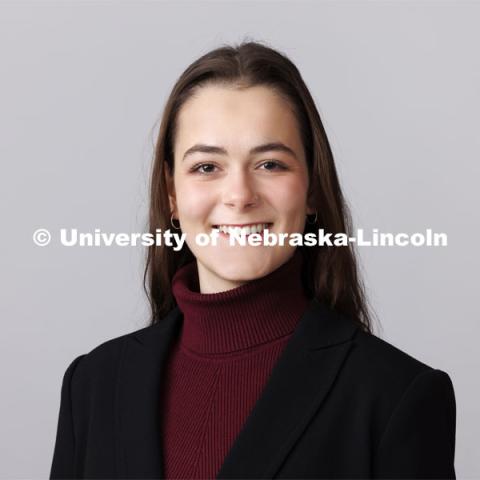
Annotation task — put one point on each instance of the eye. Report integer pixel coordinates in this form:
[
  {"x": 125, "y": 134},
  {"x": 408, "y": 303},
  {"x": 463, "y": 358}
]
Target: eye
[
  {"x": 208, "y": 168},
  {"x": 275, "y": 164},
  {"x": 198, "y": 167}
]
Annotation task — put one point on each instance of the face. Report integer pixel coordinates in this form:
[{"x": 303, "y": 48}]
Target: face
[{"x": 234, "y": 184}]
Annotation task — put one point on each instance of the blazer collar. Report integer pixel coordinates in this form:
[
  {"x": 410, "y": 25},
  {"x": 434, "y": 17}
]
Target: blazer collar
[{"x": 302, "y": 377}]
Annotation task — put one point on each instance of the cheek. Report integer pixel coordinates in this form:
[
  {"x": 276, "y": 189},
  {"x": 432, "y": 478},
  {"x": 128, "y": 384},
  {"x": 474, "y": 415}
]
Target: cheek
[
  {"x": 290, "y": 196},
  {"x": 194, "y": 202}
]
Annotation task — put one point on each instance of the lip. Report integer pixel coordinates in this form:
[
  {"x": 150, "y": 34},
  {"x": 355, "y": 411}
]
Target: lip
[{"x": 242, "y": 224}]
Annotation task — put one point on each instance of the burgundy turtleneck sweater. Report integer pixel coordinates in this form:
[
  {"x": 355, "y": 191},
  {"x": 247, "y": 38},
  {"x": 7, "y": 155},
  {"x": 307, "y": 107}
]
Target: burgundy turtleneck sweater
[{"x": 216, "y": 371}]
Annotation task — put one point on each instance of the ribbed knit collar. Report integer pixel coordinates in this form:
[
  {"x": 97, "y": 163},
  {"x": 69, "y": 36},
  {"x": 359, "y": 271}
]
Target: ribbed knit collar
[{"x": 254, "y": 313}]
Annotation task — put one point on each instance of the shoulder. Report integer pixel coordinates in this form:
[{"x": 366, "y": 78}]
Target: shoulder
[
  {"x": 368, "y": 355},
  {"x": 101, "y": 363},
  {"x": 391, "y": 388},
  {"x": 384, "y": 358},
  {"x": 387, "y": 373}
]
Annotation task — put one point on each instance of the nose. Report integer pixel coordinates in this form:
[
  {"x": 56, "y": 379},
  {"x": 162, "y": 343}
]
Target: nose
[{"x": 239, "y": 191}]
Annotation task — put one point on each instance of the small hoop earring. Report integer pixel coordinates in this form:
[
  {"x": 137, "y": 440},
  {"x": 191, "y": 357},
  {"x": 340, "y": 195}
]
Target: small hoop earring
[
  {"x": 314, "y": 222},
  {"x": 171, "y": 221}
]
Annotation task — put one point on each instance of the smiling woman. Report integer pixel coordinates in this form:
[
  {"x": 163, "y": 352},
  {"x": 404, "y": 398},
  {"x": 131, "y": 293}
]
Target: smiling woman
[
  {"x": 258, "y": 361},
  {"x": 241, "y": 142}
]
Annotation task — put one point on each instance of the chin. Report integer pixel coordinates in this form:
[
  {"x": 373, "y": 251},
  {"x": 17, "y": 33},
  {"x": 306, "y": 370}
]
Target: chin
[
  {"x": 241, "y": 269},
  {"x": 240, "y": 275}
]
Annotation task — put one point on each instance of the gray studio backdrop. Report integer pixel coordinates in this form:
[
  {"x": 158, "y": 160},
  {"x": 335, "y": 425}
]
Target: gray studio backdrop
[{"x": 82, "y": 88}]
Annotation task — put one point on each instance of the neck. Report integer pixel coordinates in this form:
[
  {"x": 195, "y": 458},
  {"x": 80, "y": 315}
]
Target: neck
[{"x": 246, "y": 316}]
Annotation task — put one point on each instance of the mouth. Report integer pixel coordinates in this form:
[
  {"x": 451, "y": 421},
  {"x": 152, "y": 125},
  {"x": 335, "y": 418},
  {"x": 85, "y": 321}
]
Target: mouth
[{"x": 246, "y": 228}]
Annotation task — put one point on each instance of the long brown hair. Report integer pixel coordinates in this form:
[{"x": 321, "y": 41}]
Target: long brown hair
[{"x": 330, "y": 273}]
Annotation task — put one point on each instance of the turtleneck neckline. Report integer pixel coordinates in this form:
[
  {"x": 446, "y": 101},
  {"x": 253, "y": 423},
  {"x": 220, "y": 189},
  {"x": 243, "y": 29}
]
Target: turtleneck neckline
[{"x": 255, "y": 313}]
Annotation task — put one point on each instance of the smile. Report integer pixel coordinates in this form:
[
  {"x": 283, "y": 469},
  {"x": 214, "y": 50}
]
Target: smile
[{"x": 243, "y": 229}]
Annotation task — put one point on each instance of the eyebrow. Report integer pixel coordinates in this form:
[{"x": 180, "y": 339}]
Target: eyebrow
[{"x": 266, "y": 147}]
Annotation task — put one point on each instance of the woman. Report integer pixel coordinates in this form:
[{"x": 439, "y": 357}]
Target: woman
[{"x": 259, "y": 361}]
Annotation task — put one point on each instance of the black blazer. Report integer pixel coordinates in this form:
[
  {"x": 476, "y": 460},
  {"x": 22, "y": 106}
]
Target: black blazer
[{"x": 340, "y": 403}]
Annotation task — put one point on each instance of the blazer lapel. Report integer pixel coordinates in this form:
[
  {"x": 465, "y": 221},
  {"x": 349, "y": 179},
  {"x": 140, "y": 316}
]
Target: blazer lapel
[
  {"x": 298, "y": 384},
  {"x": 138, "y": 425}
]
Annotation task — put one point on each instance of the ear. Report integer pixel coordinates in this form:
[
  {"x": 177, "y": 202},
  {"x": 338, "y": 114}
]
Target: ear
[
  {"x": 170, "y": 189},
  {"x": 310, "y": 208}
]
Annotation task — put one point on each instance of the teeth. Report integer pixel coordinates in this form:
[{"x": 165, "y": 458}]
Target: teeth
[{"x": 247, "y": 230}]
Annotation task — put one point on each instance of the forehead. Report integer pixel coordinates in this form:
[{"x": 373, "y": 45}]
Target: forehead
[{"x": 236, "y": 119}]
